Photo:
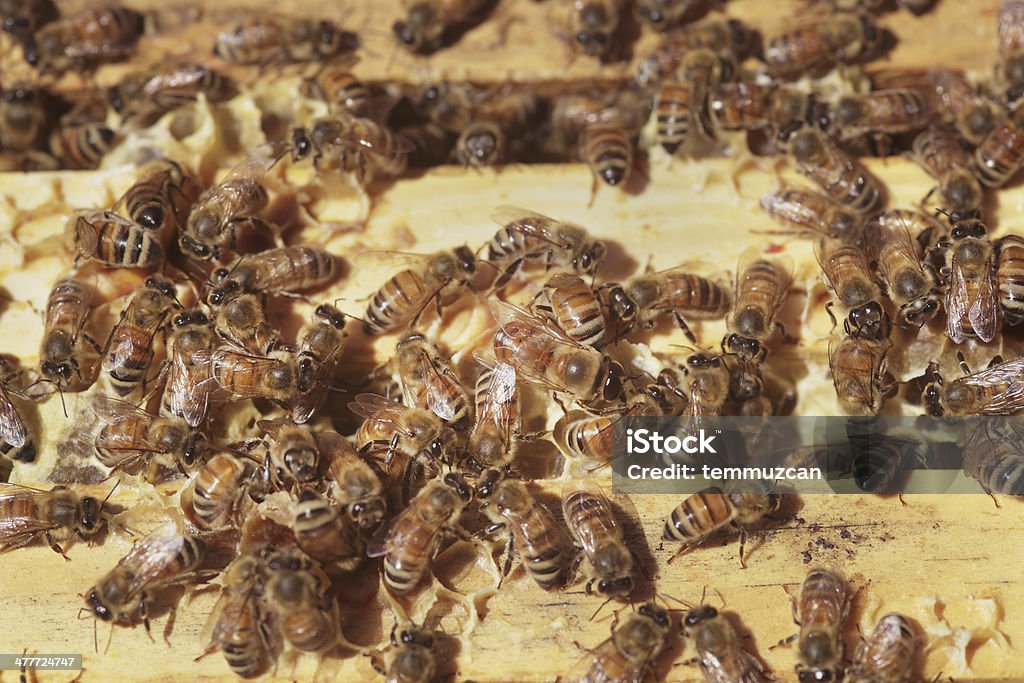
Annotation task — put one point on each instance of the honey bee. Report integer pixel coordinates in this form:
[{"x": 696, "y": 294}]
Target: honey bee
[
  {"x": 428, "y": 277},
  {"x": 429, "y": 381},
  {"x": 114, "y": 240},
  {"x": 61, "y": 354},
  {"x": 359, "y": 146},
  {"x": 242, "y": 321},
  {"x": 15, "y": 441},
  {"x": 157, "y": 561},
  {"x": 972, "y": 303},
  {"x": 684, "y": 295},
  {"x": 1001, "y": 154},
  {"x": 212, "y": 497},
  {"x": 629, "y": 654},
  {"x": 186, "y": 393},
  {"x": 1010, "y": 69},
  {"x": 1010, "y": 278},
  {"x": 162, "y": 199},
  {"x": 342, "y": 90},
  {"x": 544, "y": 355},
  {"x": 243, "y": 376},
  {"x": 572, "y": 113},
  {"x": 593, "y": 25},
  {"x": 481, "y": 144},
  {"x": 845, "y": 270},
  {"x": 293, "y": 455},
  {"x": 396, "y": 428},
  {"x": 684, "y": 105},
  {"x": 608, "y": 151},
  {"x": 508, "y": 503},
  {"x": 530, "y": 238},
  {"x": 319, "y": 352},
  {"x": 83, "y": 39},
  {"x": 747, "y": 105},
  {"x": 811, "y": 213},
  {"x": 940, "y": 153},
  {"x": 23, "y": 18},
  {"x": 858, "y": 366},
  {"x": 817, "y": 46},
  {"x": 573, "y": 305},
  {"x": 910, "y": 283},
  {"x": 881, "y": 111},
  {"x": 240, "y": 628},
  {"x": 704, "y": 513},
  {"x": 27, "y": 514},
  {"x": 427, "y": 22},
  {"x": 354, "y": 484},
  {"x": 973, "y": 116},
  {"x": 592, "y": 438},
  {"x": 296, "y": 591},
  {"x": 661, "y": 14},
  {"x": 591, "y": 520},
  {"x": 413, "y": 661},
  {"x": 992, "y": 455},
  {"x": 283, "y": 270},
  {"x": 887, "y": 656},
  {"x": 840, "y": 175},
  {"x": 726, "y": 37},
  {"x": 82, "y": 138},
  {"x": 411, "y": 542},
  {"x": 222, "y": 209},
  {"x": 761, "y": 286},
  {"x": 432, "y": 144},
  {"x": 23, "y": 118},
  {"x": 707, "y": 378},
  {"x": 497, "y": 415},
  {"x": 824, "y": 604},
  {"x": 272, "y": 39},
  {"x": 995, "y": 390},
  {"x": 129, "y": 350},
  {"x": 721, "y": 656},
  {"x": 447, "y": 104},
  {"x": 130, "y": 434},
  {"x": 324, "y": 533},
  {"x": 167, "y": 88}
]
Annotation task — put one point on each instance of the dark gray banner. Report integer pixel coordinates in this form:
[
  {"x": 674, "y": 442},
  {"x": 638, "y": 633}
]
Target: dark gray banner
[{"x": 878, "y": 455}]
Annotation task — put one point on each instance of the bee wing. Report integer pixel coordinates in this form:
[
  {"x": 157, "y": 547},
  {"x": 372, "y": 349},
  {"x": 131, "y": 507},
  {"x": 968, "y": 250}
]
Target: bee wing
[
  {"x": 253, "y": 166},
  {"x": 114, "y": 411},
  {"x": 1011, "y": 26},
  {"x": 189, "y": 386},
  {"x": 541, "y": 335},
  {"x": 957, "y": 293},
  {"x": 1010, "y": 374},
  {"x": 392, "y": 143},
  {"x": 529, "y": 223},
  {"x": 782, "y": 263},
  {"x": 865, "y": 391},
  {"x": 334, "y": 446},
  {"x": 12, "y": 427},
  {"x": 438, "y": 377},
  {"x": 150, "y": 559},
  {"x": 379, "y": 409},
  {"x": 16, "y": 529},
  {"x": 226, "y": 359},
  {"x": 506, "y": 314},
  {"x": 597, "y": 510},
  {"x": 377, "y": 546},
  {"x": 984, "y": 312},
  {"x": 384, "y": 261}
]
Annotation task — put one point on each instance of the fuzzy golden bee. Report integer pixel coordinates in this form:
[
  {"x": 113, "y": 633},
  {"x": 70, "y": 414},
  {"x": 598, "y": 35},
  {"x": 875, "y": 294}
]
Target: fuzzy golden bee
[
  {"x": 28, "y": 514},
  {"x": 129, "y": 349}
]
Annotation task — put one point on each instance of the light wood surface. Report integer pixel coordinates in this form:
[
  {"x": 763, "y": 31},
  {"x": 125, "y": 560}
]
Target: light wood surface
[{"x": 952, "y": 563}]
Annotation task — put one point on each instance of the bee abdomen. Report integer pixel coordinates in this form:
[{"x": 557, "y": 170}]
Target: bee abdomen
[{"x": 698, "y": 516}]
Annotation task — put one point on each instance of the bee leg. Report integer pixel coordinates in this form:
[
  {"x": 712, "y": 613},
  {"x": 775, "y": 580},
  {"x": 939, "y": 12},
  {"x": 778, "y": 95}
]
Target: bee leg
[
  {"x": 682, "y": 551},
  {"x": 681, "y": 321},
  {"x": 743, "y": 543},
  {"x": 785, "y": 642},
  {"x": 828, "y": 309},
  {"x": 92, "y": 343},
  {"x": 144, "y": 613},
  {"x": 169, "y": 626},
  {"x": 56, "y": 548},
  {"x": 594, "y": 184},
  {"x": 377, "y": 665},
  {"x": 996, "y": 360}
]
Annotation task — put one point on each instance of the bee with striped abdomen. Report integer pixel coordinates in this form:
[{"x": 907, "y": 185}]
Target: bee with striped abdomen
[
  {"x": 887, "y": 656},
  {"x": 61, "y": 352},
  {"x": 274, "y": 39},
  {"x": 352, "y": 482},
  {"x": 293, "y": 454},
  {"x": 608, "y": 151},
  {"x": 82, "y": 138},
  {"x": 319, "y": 352},
  {"x": 887, "y": 112},
  {"x": 942, "y": 155},
  {"x": 719, "y": 652},
  {"x": 129, "y": 349},
  {"x": 909, "y": 281},
  {"x": 823, "y": 606},
  {"x": 993, "y": 456},
  {"x": 83, "y": 39},
  {"x": 972, "y": 302},
  {"x": 812, "y": 214},
  {"x": 1001, "y": 153},
  {"x": 284, "y": 270},
  {"x": 391, "y": 428},
  {"x": 114, "y": 240},
  {"x": 342, "y": 90},
  {"x": 296, "y": 592},
  {"x": 598, "y": 536},
  {"x": 509, "y": 504},
  {"x": 683, "y": 106},
  {"x": 858, "y": 367},
  {"x": 817, "y": 46},
  {"x": 325, "y": 533},
  {"x": 843, "y": 178},
  {"x": 706, "y": 512},
  {"x": 630, "y": 653},
  {"x": 996, "y": 390},
  {"x": 28, "y": 514},
  {"x": 1010, "y": 278},
  {"x": 761, "y": 287},
  {"x": 845, "y": 270},
  {"x": 573, "y": 305},
  {"x": 1010, "y": 39},
  {"x": 528, "y": 238},
  {"x": 242, "y": 321},
  {"x": 213, "y": 497},
  {"x": 148, "y": 94},
  {"x": 429, "y": 381},
  {"x": 162, "y": 199},
  {"x": 186, "y": 392},
  {"x": 412, "y": 540},
  {"x": 427, "y": 277},
  {"x": 497, "y": 415}
]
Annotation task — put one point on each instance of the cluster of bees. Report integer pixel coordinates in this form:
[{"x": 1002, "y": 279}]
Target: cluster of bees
[{"x": 305, "y": 507}]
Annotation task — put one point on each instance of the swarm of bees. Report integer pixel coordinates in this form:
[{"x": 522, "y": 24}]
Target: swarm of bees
[{"x": 427, "y": 450}]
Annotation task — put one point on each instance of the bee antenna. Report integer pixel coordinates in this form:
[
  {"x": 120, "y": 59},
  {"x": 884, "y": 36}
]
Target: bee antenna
[
  {"x": 667, "y": 597},
  {"x": 104, "y": 501},
  {"x": 601, "y": 607},
  {"x": 63, "y": 405}
]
